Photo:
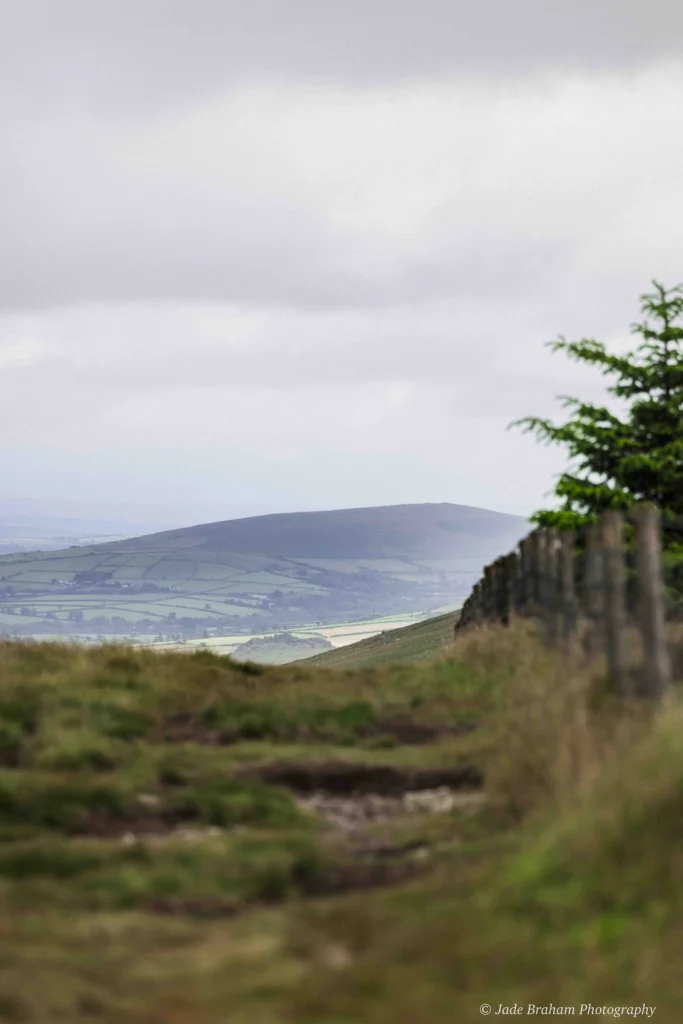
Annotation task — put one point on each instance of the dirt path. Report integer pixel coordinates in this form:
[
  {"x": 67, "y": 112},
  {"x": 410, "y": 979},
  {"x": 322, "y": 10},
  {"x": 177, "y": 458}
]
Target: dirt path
[{"x": 356, "y": 812}]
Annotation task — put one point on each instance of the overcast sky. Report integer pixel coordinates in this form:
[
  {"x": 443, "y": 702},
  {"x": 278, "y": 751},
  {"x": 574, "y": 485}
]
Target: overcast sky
[{"x": 276, "y": 256}]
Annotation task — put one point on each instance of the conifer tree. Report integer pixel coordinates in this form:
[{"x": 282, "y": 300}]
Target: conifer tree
[{"x": 615, "y": 461}]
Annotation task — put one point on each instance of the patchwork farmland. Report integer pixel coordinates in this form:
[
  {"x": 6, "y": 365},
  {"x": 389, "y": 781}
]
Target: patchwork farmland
[{"x": 253, "y": 576}]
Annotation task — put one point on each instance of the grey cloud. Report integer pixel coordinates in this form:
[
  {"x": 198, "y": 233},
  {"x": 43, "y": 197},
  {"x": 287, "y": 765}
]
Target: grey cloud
[
  {"x": 88, "y": 216},
  {"x": 109, "y": 238},
  {"x": 316, "y": 201},
  {"x": 129, "y": 57},
  {"x": 217, "y": 365}
]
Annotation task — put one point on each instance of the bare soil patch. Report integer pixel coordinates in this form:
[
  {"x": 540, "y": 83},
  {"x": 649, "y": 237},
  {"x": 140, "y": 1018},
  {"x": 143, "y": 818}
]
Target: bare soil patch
[
  {"x": 345, "y": 778},
  {"x": 406, "y": 730},
  {"x": 401, "y": 728}
]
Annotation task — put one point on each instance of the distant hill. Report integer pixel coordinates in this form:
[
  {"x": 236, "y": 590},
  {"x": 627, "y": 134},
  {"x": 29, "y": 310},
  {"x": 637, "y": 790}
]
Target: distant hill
[
  {"x": 280, "y": 649},
  {"x": 390, "y": 531},
  {"x": 258, "y": 574},
  {"x": 421, "y": 641}
]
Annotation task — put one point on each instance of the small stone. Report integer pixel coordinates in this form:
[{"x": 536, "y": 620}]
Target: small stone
[{"x": 148, "y": 800}]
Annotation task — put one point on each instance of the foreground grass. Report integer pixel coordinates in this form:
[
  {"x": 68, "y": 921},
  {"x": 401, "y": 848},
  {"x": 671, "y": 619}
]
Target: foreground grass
[
  {"x": 100, "y": 745},
  {"x": 148, "y": 875}
]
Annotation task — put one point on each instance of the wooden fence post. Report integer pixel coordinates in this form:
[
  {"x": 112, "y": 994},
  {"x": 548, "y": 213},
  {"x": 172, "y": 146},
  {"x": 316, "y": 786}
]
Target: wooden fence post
[
  {"x": 550, "y": 600},
  {"x": 567, "y": 624},
  {"x": 652, "y": 622},
  {"x": 499, "y": 590},
  {"x": 480, "y": 602},
  {"x": 496, "y": 584},
  {"x": 466, "y": 614},
  {"x": 503, "y": 590},
  {"x": 537, "y": 569},
  {"x": 615, "y": 599},
  {"x": 511, "y": 576},
  {"x": 522, "y": 599},
  {"x": 532, "y": 564},
  {"x": 592, "y": 591},
  {"x": 487, "y": 595}
]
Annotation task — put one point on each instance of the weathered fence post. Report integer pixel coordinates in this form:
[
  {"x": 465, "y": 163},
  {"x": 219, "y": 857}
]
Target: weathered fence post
[
  {"x": 536, "y": 567},
  {"x": 511, "y": 568},
  {"x": 468, "y": 610},
  {"x": 567, "y": 624},
  {"x": 523, "y": 577},
  {"x": 480, "y": 602},
  {"x": 550, "y": 600},
  {"x": 498, "y": 590},
  {"x": 651, "y": 618},
  {"x": 614, "y": 570},
  {"x": 503, "y": 591},
  {"x": 592, "y": 591},
  {"x": 541, "y": 570},
  {"x": 487, "y": 595}
]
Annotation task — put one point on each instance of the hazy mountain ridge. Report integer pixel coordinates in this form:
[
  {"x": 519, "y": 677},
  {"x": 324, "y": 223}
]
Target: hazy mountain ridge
[{"x": 428, "y": 530}]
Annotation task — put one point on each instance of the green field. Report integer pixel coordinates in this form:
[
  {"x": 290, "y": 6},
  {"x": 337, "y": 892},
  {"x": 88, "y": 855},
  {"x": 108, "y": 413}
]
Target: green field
[{"x": 187, "y": 840}]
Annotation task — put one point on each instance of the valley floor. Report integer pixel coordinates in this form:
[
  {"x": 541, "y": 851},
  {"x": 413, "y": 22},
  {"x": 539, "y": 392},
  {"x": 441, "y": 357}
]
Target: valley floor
[{"x": 339, "y": 634}]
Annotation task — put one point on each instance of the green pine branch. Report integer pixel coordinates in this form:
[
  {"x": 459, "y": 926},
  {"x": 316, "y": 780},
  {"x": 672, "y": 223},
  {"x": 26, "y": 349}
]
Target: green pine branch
[{"x": 615, "y": 462}]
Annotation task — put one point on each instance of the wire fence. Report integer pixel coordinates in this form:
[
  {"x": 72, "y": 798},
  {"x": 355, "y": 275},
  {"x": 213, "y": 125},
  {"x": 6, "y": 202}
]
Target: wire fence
[{"x": 614, "y": 588}]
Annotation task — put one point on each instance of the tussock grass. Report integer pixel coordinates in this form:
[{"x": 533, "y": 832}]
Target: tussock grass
[
  {"x": 627, "y": 836},
  {"x": 555, "y": 729},
  {"x": 64, "y": 709}
]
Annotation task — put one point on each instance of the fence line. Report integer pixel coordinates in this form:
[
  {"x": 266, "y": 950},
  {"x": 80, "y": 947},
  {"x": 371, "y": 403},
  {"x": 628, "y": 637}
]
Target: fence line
[{"x": 590, "y": 588}]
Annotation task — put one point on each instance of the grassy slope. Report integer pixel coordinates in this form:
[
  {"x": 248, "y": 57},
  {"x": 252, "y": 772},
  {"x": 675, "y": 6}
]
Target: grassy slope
[
  {"x": 564, "y": 888},
  {"x": 417, "y": 642}
]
